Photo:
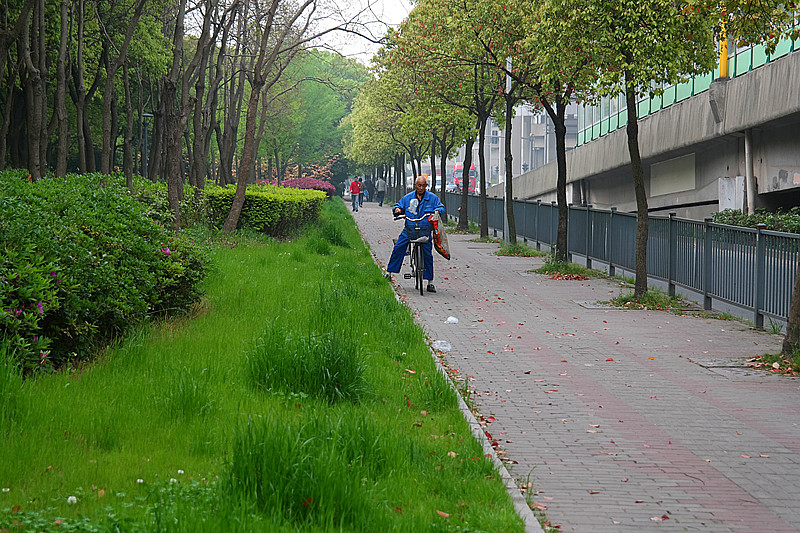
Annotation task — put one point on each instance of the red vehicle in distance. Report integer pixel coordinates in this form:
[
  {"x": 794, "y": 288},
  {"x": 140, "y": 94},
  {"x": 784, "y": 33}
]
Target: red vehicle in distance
[{"x": 458, "y": 175}]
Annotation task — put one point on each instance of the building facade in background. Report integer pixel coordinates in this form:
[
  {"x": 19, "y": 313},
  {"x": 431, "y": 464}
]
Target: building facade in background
[{"x": 704, "y": 144}]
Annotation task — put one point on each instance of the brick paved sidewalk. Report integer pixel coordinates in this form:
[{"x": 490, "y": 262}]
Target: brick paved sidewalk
[{"x": 623, "y": 420}]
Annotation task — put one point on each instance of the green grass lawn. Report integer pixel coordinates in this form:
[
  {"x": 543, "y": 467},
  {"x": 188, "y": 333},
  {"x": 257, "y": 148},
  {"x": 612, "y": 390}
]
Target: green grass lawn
[{"x": 300, "y": 396}]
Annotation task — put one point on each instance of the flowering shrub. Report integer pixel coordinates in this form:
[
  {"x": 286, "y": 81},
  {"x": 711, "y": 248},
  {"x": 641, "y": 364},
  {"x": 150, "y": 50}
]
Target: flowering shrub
[
  {"x": 28, "y": 290},
  {"x": 99, "y": 265},
  {"x": 311, "y": 183},
  {"x": 305, "y": 183}
]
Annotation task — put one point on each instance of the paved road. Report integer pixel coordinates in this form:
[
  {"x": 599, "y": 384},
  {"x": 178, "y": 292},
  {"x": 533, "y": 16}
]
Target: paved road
[{"x": 623, "y": 420}]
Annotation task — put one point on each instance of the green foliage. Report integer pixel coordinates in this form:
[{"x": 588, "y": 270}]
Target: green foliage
[
  {"x": 323, "y": 365},
  {"x": 153, "y": 196},
  {"x": 554, "y": 267},
  {"x": 318, "y": 479},
  {"x": 100, "y": 266},
  {"x": 10, "y": 386},
  {"x": 653, "y": 299},
  {"x": 787, "y": 221},
  {"x": 28, "y": 290},
  {"x": 267, "y": 208},
  {"x": 167, "y": 434},
  {"x": 778, "y": 363}
]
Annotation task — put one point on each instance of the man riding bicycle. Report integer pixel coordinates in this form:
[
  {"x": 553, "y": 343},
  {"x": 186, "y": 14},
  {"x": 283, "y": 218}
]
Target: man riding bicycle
[{"x": 416, "y": 204}]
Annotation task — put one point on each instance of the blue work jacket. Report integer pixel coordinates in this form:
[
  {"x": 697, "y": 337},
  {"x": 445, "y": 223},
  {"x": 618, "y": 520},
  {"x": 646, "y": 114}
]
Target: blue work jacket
[{"x": 413, "y": 208}]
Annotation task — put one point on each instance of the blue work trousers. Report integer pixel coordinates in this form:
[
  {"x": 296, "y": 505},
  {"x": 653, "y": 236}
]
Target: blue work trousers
[{"x": 399, "y": 252}]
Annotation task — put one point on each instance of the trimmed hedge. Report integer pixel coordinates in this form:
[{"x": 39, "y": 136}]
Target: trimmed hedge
[
  {"x": 779, "y": 220},
  {"x": 81, "y": 264},
  {"x": 267, "y": 208}
]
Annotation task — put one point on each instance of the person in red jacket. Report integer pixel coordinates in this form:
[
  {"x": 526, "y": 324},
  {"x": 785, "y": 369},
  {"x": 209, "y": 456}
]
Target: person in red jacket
[{"x": 355, "y": 192}]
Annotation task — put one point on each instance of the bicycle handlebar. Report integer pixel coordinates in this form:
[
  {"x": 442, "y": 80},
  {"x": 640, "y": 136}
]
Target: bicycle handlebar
[{"x": 403, "y": 216}]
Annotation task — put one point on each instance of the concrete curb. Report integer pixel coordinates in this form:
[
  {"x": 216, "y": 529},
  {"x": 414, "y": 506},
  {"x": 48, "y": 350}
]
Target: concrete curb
[{"x": 520, "y": 505}]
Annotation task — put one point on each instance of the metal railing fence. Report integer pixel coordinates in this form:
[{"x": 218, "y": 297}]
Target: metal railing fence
[{"x": 751, "y": 269}]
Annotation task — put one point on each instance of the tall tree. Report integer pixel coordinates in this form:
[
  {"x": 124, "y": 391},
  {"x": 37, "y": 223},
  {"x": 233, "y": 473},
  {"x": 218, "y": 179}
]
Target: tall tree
[
  {"x": 33, "y": 47},
  {"x": 60, "y": 102},
  {"x": 638, "y": 48},
  {"x": 278, "y": 43},
  {"x": 115, "y": 17}
]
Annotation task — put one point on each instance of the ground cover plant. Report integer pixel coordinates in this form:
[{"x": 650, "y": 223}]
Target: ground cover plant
[
  {"x": 653, "y": 299},
  {"x": 777, "y": 363},
  {"x": 300, "y": 396},
  {"x": 565, "y": 270},
  {"x": 519, "y": 249}
]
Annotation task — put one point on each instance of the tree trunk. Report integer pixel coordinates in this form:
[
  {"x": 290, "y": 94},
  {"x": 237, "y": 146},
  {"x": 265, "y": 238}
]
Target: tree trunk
[
  {"x": 80, "y": 88},
  {"x": 110, "y": 94},
  {"x": 557, "y": 115},
  {"x": 444, "y": 150},
  {"x": 791, "y": 342},
  {"x": 463, "y": 216},
  {"x": 246, "y": 164},
  {"x": 482, "y": 163},
  {"x": 511, "y": 238},
  {"x": 6, "y": 41},
  {"x": 433, "y": 162},
  {"x": 640, "y": 285},
  {"x": 60, "y": 102},
  {"x": 127, "y": 147},
  {"x": 35, "y": 97},
  {"x": 155, "y": 166},
  {"x": 173, "y": 114}
]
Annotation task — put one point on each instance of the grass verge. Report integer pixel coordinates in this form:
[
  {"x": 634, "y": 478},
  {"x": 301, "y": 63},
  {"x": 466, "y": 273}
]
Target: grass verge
[
  {"x": 653, "y": 299},
  {"x": 777, "y": 363},
  {"x": 519, "y": 249},
  {"x": 301, "y": 396},
  {"x": 565, "y": 270}
]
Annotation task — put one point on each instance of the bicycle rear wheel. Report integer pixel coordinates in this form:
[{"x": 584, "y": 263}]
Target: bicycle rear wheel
[{"x": 419, "y": 259}]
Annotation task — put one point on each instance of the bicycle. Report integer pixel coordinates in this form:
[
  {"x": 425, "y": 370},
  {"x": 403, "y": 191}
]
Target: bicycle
[{"x": 417, "y": 256}]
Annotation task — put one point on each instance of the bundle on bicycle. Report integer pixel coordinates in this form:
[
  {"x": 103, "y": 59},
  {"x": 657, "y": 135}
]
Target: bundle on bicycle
[{"x": 417, "y": 208}]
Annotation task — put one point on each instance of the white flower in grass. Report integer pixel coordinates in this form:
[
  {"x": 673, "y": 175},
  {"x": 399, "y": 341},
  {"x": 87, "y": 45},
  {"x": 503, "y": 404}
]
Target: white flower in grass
[
  {"x": 6, "y": 489},
  {"x": 72, "y": 500},
  {"x": 173, "y": 480},
  {"x": 140, "y": 481},
  {"x": 180, "y": 471}
]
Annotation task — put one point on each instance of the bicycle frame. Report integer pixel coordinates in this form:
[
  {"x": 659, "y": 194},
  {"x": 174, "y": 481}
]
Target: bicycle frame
[{"x": 417, "y": 256}]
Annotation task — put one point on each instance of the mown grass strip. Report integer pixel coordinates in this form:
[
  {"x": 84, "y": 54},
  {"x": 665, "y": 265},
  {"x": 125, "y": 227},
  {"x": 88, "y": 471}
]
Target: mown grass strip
[{"x": 301, "y": 396}]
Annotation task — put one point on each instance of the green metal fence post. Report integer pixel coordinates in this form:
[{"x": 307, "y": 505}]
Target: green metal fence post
[
  {"x": 588, "y": 236},
  {"x": 758, "y": 285},
  {"x": 552, "y": 238},
  {"x": 672, "y": 247},
  {"x": 612, "y": 271},
  {"x": 707, "y": 243}
]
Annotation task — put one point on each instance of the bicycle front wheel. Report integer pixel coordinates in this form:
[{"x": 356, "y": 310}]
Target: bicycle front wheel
[{"x": 419, "y": 259}]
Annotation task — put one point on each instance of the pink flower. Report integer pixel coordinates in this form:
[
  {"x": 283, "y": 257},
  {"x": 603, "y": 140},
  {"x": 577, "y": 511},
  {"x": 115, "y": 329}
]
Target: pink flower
[{"x": 40, "y": 307}]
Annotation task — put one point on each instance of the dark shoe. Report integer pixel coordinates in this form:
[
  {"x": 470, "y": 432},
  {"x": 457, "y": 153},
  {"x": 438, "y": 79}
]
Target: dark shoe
[{"x": 431, "y": 288}]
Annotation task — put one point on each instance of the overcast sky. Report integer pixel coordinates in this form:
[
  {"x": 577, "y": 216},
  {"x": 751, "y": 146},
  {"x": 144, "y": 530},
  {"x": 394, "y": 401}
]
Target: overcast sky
[{"x": 383, "y": 13}]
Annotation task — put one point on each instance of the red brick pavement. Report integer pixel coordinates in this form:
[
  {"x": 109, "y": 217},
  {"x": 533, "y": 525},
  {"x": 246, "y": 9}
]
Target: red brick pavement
[{"x": 624, "y": 420}]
